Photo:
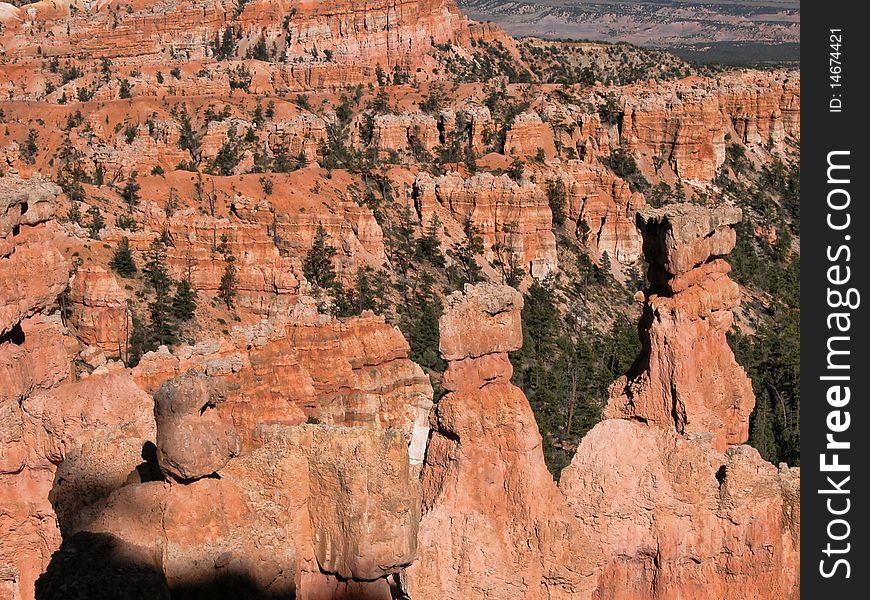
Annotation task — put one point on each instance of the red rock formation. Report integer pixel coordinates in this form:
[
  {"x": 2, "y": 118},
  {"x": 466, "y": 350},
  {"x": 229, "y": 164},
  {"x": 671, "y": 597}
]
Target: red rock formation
[
  {"x": 353, "y": 372},
  {"x": 528, "y": 135},
  {"x": 406, "y": 133},
  {"x": 686, "y": 122},
  {"x": 25, "y": 248},
  {"x": 687, "y": 378},
  {"x": 672, "y": 506},
  {"x": 101, "y": 423},
  {"x": 192, "y": 440},
  {"x": 99, "y": 309},
  {"x": 494, "y": 525},
  {"x": 310, "y": 504},
  {"x": 606, "y": 204},
  {"x": 46, "y": 418},
  {"x": 671, "y": 517},
  {"x": 312, "y": 44},
  {"x": 513, "y": 219}
]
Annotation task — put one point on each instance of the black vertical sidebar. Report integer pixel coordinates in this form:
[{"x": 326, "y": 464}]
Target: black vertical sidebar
[{"x": 835, "y": 300}]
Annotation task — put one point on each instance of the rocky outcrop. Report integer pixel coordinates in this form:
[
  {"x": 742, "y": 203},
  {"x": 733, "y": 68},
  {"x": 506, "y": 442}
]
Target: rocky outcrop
[
  {"x": 94, "y": 428},
  {"x": 607, "y": 206},
  {"x": 99, "y": 310},
  {"x": 313, "y": 510},
  {"x": 494, "y": 524},
  {"x": 673, "y": 504},
  {"x": 192, "y": 440},
  {"x": 529, "y": 135},
  {"x": 686, "y": 122},
  {"x": 408, "y": 133},
  {"x": 25, "y": 247},
  {"x": 513, "y": 219},
  {"x": 311, "y": 44},
  {"x": 670, "y": 517},
  {"x": 686, "y": 377},
  {"x": 352, "y": 372}
]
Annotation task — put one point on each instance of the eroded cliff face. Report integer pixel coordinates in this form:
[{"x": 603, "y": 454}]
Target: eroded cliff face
[
  {"x": 688, "y": 123},
  {"x": 293, "y": 453},
  {"x": 196, "y": 469},
  {"x": 310, "y": 44},
  {"x": 513, "y": 219},
  {"x": 97, "y": 425}
]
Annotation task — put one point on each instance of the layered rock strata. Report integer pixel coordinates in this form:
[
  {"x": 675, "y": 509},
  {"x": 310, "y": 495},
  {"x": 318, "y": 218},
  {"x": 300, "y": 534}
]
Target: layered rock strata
[{"x": 513, "y": 219}]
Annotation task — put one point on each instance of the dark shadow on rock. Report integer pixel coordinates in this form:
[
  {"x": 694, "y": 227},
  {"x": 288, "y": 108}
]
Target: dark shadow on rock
[
  {"x": 78, "y": 495},
  {"x": 99, "y": 566},
  {"x": 149, "y": 470},
  {"x": 227, "y": 586},
  {"x": 96, "y": 566}
]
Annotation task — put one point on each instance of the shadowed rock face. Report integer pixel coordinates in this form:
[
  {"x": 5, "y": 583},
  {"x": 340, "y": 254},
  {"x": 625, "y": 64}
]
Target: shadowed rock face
[{"x": 311, "y": 511}]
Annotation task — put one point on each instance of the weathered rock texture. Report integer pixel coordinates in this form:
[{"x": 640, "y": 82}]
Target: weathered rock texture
[
  {"x": 192, "y": 440},
  {"x": 513, "y": 219},
  {"x": 314, "y": 510},
  {"x": 352, "y": 372},
  {"x": 686, "y": 122},
  {"x": 312, "y": 44},
  {"x": 94, "y": 428},
  {"x": 670, "y": 517},
  {"x": 494, "y": 524},
  {"x": 686, "y": 376},
  {"x": 606, "y": 204},
  {"x": 673, "y": 505},
  {"x": 99, "y": 310},
  {"x": 25, "y": 248}
]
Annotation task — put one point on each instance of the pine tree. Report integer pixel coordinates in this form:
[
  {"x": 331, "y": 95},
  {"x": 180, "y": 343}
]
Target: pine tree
[
  {"x": 429, "y": 246},
  {"x": 140, "y": 342},
  {"x": 130, "y": 192},
  {"x": 761, "y": 430},
  {"x": 229, "y": 282},
  {"x": 420, "y": 325},
  {"x": 122, "y": 260},
  {"x": 96, "y": 224},
  {"x": 75, "y": 213},
  {"x": 317, "y": 265},
  {"x": 162, "y": 326},
  {"x": 184, "y": 300},
  {"x": 155, "y": 268},
  {"x": 557, "y": 196},
  {"x": 515, "y": 171},
  {"x": 466, "y": 269}
]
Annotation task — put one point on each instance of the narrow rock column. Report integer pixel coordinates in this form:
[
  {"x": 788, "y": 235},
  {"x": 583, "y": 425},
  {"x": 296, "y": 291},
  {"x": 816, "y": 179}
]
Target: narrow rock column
[
  {"x": 686, "y": 376},
  {"x": 494, "y": 524}
]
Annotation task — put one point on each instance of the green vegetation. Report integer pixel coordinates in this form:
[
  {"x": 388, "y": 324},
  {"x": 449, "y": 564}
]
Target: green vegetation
[
  {"x": 184, "y": 301},
  {"x": 566, "y": 378},
  {"x": 96, "y": 224},
  {"x": 622, "y": 164},
  {"x": 770, "y": 197},
  {"x": 122, "y": 259},
  {"x": 317, "y": 266},
  {"x": 569, "y": 62}
]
